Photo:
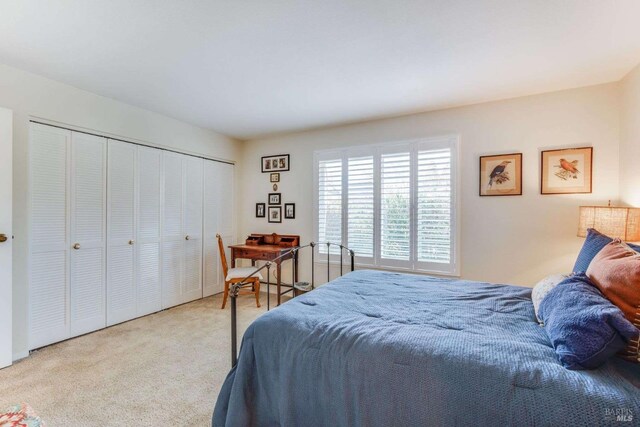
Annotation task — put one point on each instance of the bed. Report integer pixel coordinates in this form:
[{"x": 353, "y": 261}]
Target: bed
[{"x": 384, "y": 349}]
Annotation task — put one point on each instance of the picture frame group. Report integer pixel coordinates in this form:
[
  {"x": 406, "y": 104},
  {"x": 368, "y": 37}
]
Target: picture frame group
[
  {"x": 273, "y": 208},
  {"x": 562, "y": 171},
  {"x": 277, "y": 163},
  {"x": 273, "y": 211}
]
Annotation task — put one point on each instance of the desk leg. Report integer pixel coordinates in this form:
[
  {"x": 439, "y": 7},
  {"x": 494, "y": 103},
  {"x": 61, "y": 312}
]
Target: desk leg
[
  {"x": 253, "y": 264},
  {"x": 278, "y": 271},
  {"x": 295, "y": 268},
  {"x": 233, "y": 258}
]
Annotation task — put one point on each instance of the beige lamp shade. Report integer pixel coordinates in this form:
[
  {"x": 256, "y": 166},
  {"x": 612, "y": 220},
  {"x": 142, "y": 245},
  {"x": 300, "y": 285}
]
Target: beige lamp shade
[{"x": 616, "y": 222}]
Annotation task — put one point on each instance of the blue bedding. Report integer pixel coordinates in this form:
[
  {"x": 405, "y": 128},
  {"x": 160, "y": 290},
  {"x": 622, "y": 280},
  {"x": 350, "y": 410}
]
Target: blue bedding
[{"x": 387, "y": 349}]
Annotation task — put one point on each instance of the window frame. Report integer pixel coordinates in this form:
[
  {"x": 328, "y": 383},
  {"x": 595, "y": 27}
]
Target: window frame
[{"x": 376, "y": 150}]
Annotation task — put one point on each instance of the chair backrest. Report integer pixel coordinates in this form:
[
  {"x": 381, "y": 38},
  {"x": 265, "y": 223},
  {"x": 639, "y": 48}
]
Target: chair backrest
[{"x": 223, "y": 256}]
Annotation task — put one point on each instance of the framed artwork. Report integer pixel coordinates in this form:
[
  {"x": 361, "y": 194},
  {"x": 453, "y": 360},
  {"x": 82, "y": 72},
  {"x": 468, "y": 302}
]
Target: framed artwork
[
  {"x": 566, "y": 171},
  {"x": 289, "y": 210},
  {"x": 275, "y": 177},
  {"x": 275, "y": 187},
  {"x": 501, "y": 175},
  {"x": 277, "y": 163},
  {"x": 274, "y": 199},
  {"x": 260, "y": 210},
  {"x": 275, "y": 214}
]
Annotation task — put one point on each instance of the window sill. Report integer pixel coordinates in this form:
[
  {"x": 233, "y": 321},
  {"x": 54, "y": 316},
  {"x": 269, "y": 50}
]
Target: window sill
[{"x": 364, "y": 266}]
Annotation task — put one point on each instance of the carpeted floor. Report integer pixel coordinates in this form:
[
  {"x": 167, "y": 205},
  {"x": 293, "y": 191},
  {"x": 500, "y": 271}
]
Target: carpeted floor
[{"x": 161, "y": 370}]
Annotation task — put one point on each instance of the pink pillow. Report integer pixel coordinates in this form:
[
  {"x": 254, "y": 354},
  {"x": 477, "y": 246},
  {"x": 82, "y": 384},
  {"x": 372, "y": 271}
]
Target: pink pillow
[{"x": 615, "y": 271}]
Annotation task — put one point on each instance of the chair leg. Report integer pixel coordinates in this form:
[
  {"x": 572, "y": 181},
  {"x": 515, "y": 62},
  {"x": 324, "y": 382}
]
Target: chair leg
[
  {"x": 226, "y": 294},
  {"x": 257, "y": 291}
]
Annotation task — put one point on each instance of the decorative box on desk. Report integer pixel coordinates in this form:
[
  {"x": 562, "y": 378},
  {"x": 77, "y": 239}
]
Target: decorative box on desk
[
  {"x": 284, "y": 240},
  {"x": 255, "y": 240}
]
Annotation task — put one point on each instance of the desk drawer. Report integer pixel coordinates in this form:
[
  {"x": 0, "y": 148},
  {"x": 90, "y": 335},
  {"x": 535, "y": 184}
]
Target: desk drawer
[{"x": 257, "y": 254}]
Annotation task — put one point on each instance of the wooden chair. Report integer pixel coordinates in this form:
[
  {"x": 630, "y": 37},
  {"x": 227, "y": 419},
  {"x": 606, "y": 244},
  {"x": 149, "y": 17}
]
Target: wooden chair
[{"x": 236, "y": 275}]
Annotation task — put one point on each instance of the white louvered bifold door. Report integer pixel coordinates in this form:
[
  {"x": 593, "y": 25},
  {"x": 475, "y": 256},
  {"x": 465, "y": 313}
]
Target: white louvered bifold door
[
  {"x": 226, "y": 212},
  {"x": 49, "y": 246},
  {"x": 211, "y": 281},
  {"x": 172, "y": 233},
  {"x": 192, "y": 229},
  {"x": 121, "y": 277},
  {"x": 149, "y": 191},
  {"x": 88, "y": 211}
]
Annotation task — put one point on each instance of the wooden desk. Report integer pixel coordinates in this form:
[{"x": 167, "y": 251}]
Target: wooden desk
[{"x": 266, "y": 253}]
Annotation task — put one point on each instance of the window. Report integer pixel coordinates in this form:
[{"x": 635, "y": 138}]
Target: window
[{"x": 393, "y": 204}]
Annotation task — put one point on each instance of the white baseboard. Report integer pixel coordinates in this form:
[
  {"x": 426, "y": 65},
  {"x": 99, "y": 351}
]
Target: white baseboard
[{"x": 20, "y": 355}]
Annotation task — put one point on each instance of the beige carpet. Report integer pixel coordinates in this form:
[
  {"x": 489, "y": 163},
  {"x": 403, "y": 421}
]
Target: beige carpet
[{"x": 165, "y": 369}]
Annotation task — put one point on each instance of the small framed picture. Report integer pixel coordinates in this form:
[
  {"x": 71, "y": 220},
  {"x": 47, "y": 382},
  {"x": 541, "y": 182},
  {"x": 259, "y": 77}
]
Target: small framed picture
[
  {"x": 275, "y": 214},
  {"x": 275, "y": 177},
  {"x": 274, "y": 199},
  {"x": 566, "y": 171},
  {"x": 260, "y": 210},
  {"x": 277, "y": 163},
  {"x": 289, "y": 210},
  {"x": 501, "y": 175}
]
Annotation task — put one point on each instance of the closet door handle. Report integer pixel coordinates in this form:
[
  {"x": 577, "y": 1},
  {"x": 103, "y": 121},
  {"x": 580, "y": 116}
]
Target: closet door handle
[
  {"x": 187, "y": 237},
  {"x": 76, "y": 246},
  {"x": 3, "y": 238},
  {"x": 131, "y": 242}
]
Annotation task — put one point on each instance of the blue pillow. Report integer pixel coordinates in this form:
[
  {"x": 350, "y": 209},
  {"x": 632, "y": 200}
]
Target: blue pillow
[
  {"x": 584, "y": 327},
  {"x": 593, "y": 244}
]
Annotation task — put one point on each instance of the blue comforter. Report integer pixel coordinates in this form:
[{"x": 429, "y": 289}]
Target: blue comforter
[{"x": 387, "y": 349}]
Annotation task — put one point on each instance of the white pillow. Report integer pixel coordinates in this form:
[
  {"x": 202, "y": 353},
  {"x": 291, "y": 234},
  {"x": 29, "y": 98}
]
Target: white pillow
[{"x": 542, "y": 288}]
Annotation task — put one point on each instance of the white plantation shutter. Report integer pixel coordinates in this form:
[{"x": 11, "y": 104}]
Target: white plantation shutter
[
  {"x": 360, "y": 206},
  {"x": 394, "y": 204},
  {"x": 329, "y": 202},
  {"x": 434, "y": 206}
]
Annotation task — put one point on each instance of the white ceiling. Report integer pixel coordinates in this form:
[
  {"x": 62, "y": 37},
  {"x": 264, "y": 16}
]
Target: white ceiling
[{"x": 247, "y": 68}]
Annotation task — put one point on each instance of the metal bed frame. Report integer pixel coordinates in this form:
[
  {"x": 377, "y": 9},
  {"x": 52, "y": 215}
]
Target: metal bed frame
[{"x": 236, "y": 287}]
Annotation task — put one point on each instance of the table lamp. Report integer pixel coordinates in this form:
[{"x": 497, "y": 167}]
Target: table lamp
[{"x": 618, "y": 222}]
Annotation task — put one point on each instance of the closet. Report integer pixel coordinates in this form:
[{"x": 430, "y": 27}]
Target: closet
[{"x": 118, "y": 231}]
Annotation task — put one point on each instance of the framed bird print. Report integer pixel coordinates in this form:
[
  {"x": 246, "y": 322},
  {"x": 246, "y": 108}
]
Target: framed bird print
[
  {"x": 566, "y": 171},
  {"x": 501, "y": 175}
]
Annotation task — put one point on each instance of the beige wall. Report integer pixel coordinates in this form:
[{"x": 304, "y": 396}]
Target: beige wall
[
  {"x": 32, "y": 96},
  {"x": 630, "y": 139},
  {"x": 515, "y": 240}
]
